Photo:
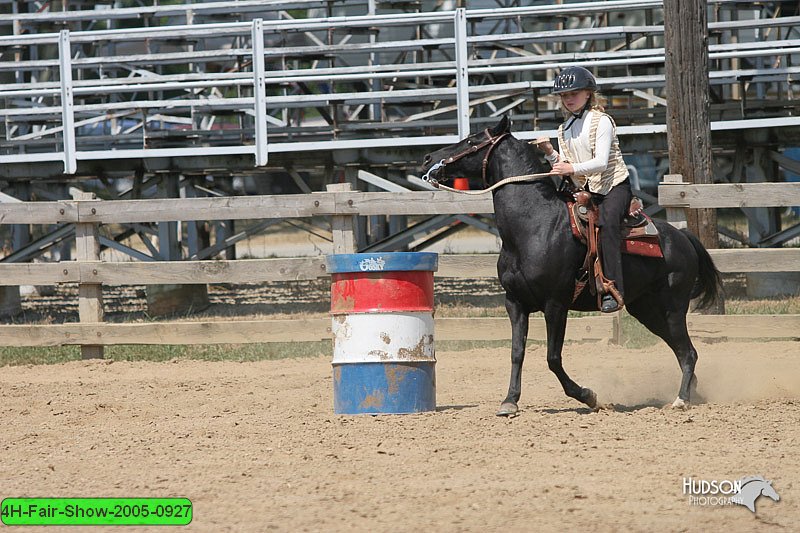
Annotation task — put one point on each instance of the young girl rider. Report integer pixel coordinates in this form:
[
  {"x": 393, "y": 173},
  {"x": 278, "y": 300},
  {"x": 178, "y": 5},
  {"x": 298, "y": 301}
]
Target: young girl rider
[{"x": 589, "y": 153}]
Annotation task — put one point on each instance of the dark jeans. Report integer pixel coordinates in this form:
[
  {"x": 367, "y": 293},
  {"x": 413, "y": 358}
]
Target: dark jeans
[{"x": 613, "y": 209}]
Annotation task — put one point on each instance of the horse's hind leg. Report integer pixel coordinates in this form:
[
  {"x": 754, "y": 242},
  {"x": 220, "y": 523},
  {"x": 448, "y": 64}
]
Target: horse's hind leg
[
  {"x": 660, "y": 314},
  {"x": 519, "y": 337},
  {"x": 556, "y": 319}
]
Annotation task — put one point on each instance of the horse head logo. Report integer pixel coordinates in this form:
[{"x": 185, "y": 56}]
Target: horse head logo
[{"x": 752, "y": 488}]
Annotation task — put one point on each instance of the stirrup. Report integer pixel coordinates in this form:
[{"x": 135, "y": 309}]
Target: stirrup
[{"x": 609, "y": 304}]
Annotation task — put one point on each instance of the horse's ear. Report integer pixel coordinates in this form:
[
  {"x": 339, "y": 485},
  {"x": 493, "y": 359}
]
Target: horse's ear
[{"x": 502, "y": 127}]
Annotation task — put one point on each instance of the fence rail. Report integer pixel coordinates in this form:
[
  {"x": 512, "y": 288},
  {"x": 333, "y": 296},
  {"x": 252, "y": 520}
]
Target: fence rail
[
  {"x": 309, "y": 268},
  {"x": 682, "y": 195},
  {"x": 270, "y": 331},
  {"x": 342, "y": 205}
]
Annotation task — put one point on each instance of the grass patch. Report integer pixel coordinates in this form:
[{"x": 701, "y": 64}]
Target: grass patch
[
  {"x": 11, "y": 356},
  {"x": 24, "y": 355},
  {"x": 783, "y": 306},
  {"x": 220, "y": 352},
  {"x": 635, "y": 335},
  {"x": 468, "y": 311},
  {"x": 460, "y": 346}
]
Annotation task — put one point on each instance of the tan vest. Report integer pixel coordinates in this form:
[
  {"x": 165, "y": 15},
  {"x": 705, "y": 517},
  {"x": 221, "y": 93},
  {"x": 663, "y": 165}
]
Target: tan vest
[{"x": 615, "y": 173}]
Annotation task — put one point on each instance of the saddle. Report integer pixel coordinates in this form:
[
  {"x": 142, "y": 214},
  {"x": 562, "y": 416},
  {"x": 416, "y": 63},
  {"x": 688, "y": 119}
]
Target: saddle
[
  {"x": 639, "y": 234},
  {"x": 639, "y": 237}
]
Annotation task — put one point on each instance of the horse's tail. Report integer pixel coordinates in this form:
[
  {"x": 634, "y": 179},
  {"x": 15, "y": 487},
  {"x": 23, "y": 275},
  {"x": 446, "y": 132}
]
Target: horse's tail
[{"x": 708, "y": 284}]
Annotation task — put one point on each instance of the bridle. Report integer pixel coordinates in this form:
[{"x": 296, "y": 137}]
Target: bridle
[{"x": 491, "y": 141}]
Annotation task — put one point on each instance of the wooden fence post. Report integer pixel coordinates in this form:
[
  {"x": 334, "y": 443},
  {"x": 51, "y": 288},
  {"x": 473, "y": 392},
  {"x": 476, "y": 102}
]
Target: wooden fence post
[
  {"x": 344, "y": 239},
  {"x": 617, "y": 337},
  {"x": 90, "y": 295},
  {"x": 675, "y": 215},
  {"x": 10, "y": 302}
]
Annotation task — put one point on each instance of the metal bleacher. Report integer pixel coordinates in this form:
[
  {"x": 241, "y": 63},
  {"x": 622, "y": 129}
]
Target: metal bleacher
[
  {"x": 136, "y": 99},
  {"x": 268, "y": 80}
]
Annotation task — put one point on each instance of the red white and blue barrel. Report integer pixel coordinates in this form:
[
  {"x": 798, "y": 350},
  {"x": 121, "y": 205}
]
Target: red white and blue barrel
[{"x": 382, "y": 316}]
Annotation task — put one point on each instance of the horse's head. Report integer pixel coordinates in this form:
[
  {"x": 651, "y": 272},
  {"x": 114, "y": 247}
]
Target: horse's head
[
  {"x": 468, "y": 158},
  {"x": 752, "y": 487},
  {"x": 768, "y": 491}
]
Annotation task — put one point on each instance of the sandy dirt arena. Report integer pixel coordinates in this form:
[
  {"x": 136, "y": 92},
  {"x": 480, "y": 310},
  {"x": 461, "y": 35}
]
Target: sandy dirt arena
[{"x": 256, "y": 446}]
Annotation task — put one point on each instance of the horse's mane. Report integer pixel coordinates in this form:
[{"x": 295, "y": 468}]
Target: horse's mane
[
  {"x": 537, "y": 159},
  {"x": 535, "y": 153},
  {"x": 749, "y": 479}
]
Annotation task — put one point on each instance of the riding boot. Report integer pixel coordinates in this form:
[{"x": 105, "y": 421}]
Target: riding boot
[{"x": 608, "y": 304}]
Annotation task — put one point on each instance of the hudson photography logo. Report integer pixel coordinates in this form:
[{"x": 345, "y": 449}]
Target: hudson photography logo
[{"x": 744, "y": 491}]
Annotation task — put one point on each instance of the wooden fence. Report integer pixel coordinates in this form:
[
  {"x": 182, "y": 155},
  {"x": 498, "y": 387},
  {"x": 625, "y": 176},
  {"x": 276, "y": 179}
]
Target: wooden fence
[
  {"x": 342, "y": 205},
  {"x": 678, "y": 196}
]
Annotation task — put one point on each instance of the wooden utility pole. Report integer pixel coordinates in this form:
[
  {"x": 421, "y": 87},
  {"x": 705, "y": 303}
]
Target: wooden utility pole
[{"x": 688, "y": 127}]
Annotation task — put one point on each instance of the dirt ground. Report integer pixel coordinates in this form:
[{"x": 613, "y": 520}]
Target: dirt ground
[{"x": 256, "y": 446}]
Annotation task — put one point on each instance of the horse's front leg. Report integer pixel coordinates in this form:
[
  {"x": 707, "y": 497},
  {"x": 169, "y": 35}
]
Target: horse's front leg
[
  {"x": 555, "y": 316},
  {"x": 519, "y": 337}
]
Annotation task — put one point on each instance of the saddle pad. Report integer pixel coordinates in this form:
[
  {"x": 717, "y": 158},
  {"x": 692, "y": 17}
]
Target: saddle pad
[{"x": 646, "y": 246}]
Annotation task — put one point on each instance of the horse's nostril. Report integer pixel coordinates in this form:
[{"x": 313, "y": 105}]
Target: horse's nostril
[{"x": 427, "y": 159}]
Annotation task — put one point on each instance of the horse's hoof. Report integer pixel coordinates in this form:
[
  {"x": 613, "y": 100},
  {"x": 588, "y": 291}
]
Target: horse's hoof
[
  {"x": 508, "y": 409},
  {"x": 695, "y": 396},
  {"x": 590, "y": 398},
  {"x": 604, "y": 407},
  {"x": 678, "y": 404}
]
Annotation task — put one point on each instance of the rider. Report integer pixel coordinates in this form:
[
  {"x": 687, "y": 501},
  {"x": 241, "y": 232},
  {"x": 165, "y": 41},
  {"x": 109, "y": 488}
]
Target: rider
[{"x": 590, "y": 154}]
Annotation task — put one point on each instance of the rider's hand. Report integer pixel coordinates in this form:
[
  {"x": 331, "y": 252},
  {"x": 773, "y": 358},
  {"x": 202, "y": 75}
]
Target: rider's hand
[
  {"x": 544, "y": 144},
  {"x": 562, "y": 168}
]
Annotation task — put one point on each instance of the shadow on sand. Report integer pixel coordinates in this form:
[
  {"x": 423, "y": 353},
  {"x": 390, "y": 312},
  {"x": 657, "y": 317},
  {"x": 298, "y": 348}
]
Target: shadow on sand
[
  {"x": 617, "y": 407},
  {"x": 455, "y": 407}
]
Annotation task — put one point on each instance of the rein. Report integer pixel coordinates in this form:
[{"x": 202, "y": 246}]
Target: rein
[
  {"x": 513, "y": 179},
  {"x": 491, "y": 142}
]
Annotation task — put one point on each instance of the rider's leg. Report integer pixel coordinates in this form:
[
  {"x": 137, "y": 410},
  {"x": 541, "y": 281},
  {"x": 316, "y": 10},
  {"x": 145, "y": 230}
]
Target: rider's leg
[{"x": 613, "y": 209}]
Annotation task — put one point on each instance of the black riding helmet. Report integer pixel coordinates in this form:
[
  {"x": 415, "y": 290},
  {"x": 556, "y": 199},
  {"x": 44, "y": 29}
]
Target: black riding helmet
[{"x": 573, "y": 79}]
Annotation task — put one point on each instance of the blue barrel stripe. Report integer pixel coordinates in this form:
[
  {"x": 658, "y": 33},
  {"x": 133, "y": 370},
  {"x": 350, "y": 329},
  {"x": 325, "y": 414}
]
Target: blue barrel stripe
[
  {"x": 382, "y": 262},
  {"x": 384, "y": 388}
]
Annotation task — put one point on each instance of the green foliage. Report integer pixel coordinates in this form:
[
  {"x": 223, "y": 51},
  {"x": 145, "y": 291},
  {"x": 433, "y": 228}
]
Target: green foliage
[
  {"x": 11, "y": 356},
  {"x": 776, "y": 306},
  {"x": 635, "y": 335},
  {"x": 298, "y": 13}
]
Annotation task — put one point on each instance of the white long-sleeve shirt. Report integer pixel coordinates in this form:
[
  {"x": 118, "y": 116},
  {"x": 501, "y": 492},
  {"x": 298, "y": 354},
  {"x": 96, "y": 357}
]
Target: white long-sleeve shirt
[{"x": 601, "y": 165}]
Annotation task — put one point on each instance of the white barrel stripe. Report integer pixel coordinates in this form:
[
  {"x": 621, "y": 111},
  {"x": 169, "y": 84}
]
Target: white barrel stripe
[{"x": 383, "y": 337}]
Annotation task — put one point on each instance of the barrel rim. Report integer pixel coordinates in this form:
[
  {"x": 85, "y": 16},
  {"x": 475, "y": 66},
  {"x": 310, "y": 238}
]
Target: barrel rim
[{"x": 382, "y": 262}]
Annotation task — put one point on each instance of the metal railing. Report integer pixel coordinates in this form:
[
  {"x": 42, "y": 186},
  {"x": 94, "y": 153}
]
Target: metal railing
[{"x": 270, "y": 86}]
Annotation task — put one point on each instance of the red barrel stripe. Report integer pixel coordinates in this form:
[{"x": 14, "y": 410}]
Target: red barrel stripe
[{"x": 365, "y": 292}]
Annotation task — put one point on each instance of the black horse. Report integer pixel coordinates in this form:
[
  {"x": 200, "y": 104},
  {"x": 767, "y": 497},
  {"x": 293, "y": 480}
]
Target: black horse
[{"x": 540, "y": 257}]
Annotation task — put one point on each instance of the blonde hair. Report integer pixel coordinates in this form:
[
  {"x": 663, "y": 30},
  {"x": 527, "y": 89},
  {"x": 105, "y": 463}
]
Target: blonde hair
[{"x": 597, "y": 102}]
